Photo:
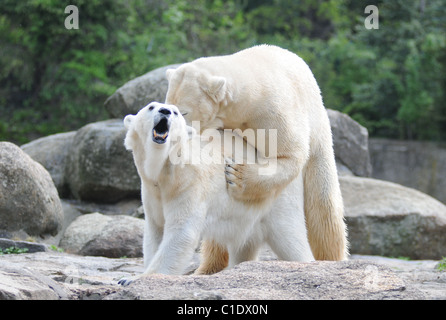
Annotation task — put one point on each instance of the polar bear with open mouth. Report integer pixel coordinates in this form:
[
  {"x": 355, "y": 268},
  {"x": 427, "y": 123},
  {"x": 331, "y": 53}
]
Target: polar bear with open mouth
[{"x": 185, "y": 202}]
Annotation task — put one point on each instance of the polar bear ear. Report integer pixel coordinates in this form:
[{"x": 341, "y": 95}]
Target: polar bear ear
[
  {"x": 128, "y": 120},
  {"x": 169, "y": 74},
  {"x": 216, "y": 88}
]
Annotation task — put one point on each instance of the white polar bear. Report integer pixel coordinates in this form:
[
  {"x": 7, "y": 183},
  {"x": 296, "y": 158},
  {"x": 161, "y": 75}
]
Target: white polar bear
[
  {"x": 184, "y": 202},
  {"x": 266, "y": 87}
]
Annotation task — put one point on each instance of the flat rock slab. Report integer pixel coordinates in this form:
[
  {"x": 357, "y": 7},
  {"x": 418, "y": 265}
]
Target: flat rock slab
[
  {"x": 54, "y": 275},
  {"x": 280, "y": 280},
  {"x": 421, "y": 274}
]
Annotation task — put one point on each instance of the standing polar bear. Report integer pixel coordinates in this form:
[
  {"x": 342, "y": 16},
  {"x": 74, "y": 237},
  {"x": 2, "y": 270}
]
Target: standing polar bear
[
  {"x": 266, "y": 87},
  {"x": 185, "y": 201}
]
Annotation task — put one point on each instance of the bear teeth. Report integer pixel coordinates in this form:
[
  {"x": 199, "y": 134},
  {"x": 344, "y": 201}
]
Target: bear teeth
[{"x": 155, "y": 134}]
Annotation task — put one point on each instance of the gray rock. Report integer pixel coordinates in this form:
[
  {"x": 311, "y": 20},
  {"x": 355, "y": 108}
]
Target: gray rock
[
  {"x": 387, "y": 219},
  {"x": 25, "y": 284},
  {"x": 139, "y": 92},
  {"x": 420, "y": 274},
  {"x": 416, "y": 164},
  {"x": 99, "y": 168},
  {"x": 28, "y": 198},
  {"x": 87, "y": 277},
  {"x": 55, "y": 275},
  {"x": 51, "y": 152},
  {"x": 350, "y": 143},
  {"x": 96, "y": 234}
]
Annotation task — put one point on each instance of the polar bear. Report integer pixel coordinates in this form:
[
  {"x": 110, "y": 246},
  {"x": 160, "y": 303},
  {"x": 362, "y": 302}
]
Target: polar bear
[
  {"x": 185, "y": 202},
  {"x": 266, "y": 87}
]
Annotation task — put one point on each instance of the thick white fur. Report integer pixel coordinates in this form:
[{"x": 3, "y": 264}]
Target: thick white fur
[
  {"x": 266, "y": 87},
  {"x": 186, "y": 202}
]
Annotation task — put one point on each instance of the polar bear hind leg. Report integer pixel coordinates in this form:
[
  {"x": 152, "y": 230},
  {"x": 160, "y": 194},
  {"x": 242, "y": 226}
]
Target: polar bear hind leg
[
  {"x": 214, "y": 257},
  {"x": 287, "y": 232}
]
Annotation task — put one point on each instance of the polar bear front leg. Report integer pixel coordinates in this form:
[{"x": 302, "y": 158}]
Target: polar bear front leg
[
  {"x": 182, "y": 230},
  {"x": 153, "y": 235},
  {"x": 172, "y": 256}
]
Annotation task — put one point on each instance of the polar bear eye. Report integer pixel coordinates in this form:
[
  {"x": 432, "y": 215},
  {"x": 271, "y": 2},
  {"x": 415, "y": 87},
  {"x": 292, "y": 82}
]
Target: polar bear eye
[
  {"x": 176, "y": 113},
  {"x": 151, "y": 108}
]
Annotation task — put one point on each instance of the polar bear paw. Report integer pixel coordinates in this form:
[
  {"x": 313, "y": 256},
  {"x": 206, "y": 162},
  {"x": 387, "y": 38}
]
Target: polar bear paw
[
  {"x": 238, "y": 182},
  {"x": 234, "y": 175},
  {"x": 128, "y": 280},
  {"x": 244, "y": 183}
]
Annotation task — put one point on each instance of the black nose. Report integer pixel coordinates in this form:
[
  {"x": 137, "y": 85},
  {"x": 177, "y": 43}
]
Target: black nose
[{"x": 164, "y": 111}]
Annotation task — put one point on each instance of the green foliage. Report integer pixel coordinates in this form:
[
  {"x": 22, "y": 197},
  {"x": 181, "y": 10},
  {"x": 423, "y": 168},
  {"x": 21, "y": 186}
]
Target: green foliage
[
  {"x": 54, "y": 79},
  {"x": 442, "y": 265},
  {"x": 56, "y": 248},
  {"x": 406, "y": 85},
  {"x": 391, "y": 80},
  {"x": 13, "y": 250},
  {"x": 294, "y": 19}
]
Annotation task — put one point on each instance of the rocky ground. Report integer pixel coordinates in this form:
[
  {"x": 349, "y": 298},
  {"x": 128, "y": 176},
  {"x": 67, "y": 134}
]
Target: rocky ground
[{"x": 55, "y": 275}]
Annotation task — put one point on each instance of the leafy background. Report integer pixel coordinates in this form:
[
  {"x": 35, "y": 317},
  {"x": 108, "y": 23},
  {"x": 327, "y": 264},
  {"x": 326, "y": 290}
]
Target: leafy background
[{"x": 392, "y": 80}]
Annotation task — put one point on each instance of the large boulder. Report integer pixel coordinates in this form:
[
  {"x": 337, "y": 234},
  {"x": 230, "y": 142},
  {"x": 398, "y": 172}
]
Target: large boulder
[
  {"x": 350, "y": 143},
  {"x": 99, "y": 168},
  {"x": 29, "y": 200},
  {"x": 384, "y": 218},
  {"x": 51, "y": 152},
  {"x": 415, "y": 164},
  {"x": 96, "y": 234},
  {"x": 139, "y": 92}
]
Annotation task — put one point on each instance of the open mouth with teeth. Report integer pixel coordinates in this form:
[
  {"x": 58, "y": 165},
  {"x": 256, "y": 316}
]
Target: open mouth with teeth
[{"x": 160, "y": 131}]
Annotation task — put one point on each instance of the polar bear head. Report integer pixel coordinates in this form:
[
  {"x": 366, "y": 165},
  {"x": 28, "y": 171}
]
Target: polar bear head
[
  {"x": 153, "y": 133},
  {"x": 197, "y": 93},
  {"x": 156, "y": 123}
]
